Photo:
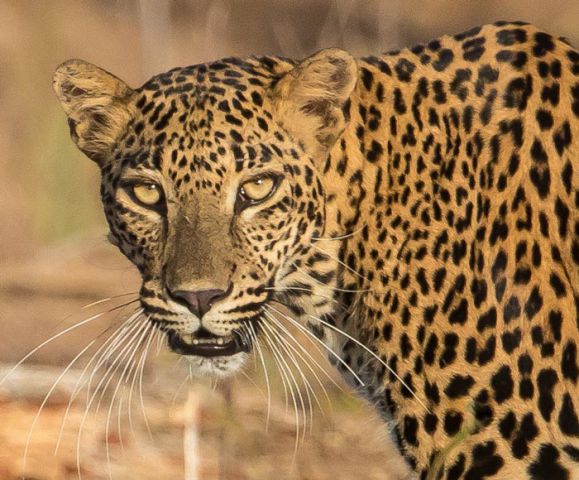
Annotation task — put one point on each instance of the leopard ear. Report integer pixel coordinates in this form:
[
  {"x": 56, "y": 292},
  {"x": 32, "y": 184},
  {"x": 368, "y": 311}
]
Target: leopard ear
[
  {"x": 97, "y": 105},
  {"x": 311, "y": 99}
]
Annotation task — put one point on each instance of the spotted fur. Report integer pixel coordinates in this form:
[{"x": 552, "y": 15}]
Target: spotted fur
[{"x": 428, "y": 206}]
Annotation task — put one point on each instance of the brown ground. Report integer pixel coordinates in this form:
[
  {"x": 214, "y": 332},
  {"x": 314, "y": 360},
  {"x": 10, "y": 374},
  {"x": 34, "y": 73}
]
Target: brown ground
[{"x": 344, "y": 441}]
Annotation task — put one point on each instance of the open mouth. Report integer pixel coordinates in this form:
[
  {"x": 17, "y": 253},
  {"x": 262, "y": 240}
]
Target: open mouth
[{"x": 204, "y": 344}]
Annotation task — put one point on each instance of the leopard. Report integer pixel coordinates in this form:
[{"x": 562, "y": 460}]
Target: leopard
[{"x": 416, "y": 212}]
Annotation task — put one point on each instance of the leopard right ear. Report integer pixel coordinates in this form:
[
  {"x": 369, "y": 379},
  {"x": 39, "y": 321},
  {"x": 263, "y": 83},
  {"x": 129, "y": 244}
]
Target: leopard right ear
[{"x": 97, "y": 105}]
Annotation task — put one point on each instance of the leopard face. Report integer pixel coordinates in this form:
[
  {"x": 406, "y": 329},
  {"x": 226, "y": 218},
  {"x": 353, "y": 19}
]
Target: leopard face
[{"x": 213, "y": 200}]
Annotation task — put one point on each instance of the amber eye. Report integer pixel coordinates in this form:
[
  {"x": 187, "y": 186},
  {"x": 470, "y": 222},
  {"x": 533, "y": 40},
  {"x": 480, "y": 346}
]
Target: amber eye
[
  {"x": 148, "y": 194},
  {"x": 257, "y": 189}
]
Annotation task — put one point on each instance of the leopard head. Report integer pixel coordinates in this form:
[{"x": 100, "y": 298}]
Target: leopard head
[{"x": 212, "y": 186}]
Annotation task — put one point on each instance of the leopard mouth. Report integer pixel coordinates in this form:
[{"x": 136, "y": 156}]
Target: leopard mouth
[{"x": 204, "y": 344}]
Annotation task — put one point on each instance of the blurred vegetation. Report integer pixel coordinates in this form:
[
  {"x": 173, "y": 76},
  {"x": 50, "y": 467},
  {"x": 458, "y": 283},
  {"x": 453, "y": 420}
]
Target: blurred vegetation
[{"x": 50, "y": 191}]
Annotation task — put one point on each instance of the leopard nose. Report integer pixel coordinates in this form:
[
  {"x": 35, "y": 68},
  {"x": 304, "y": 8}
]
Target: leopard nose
[{"x": 198, "y": 302}]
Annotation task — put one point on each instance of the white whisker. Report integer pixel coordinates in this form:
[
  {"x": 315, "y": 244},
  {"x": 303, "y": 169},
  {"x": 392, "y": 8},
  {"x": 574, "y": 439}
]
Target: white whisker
[
  {"x": 364, "y": 347},
  {"x": 47, "y": 396},
  {"x": 334, "y": 354}
]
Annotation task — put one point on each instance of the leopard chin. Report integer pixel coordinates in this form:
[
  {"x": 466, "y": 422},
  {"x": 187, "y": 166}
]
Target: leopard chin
[{"x": 216, "y": 367}]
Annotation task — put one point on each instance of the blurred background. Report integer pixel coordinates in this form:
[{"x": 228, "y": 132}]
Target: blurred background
[{"x": 54, "y": 259}]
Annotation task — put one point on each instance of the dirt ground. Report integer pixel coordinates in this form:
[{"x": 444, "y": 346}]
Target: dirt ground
[{"x": 213, "y": 432}]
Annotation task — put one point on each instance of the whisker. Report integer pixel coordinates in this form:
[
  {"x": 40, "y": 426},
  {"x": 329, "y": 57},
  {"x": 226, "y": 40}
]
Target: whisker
[
  {"x": 47, "y": 396},
  {"x": 340, "y": 262},
  {"x": 340, "y": 237},
  {"x": 58, "y": 335},
  {"x": 334, "y": 354},
  {"x": 108, "y": 299},
  {"x": 134, "y": 374},
  {"x": 336, "y": 289},
  {"x": 312, "y": 359},
  {"x": 308, "y": 387},
  {"x": 107, "y": 377},
  {"x": 129, "y": 329},
  {"x": 291, "y": 384},
  {"x": 311, "y": 294},
  {"x": 142, "y": 398},
  {"x": 266, "y": 375},
  {"x": 77, "y": 388},
  {"x": 337, "y": 330},
  {"x": 129, "y": 362}
]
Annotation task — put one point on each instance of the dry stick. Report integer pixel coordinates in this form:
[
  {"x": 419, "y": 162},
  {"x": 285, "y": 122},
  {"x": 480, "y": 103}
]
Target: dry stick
[{"x": 191, "y": 435}]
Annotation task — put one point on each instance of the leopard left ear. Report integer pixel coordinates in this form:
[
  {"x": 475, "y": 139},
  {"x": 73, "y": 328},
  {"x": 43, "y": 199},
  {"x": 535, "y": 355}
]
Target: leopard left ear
[
  {"x": 310, "y": 99},
  {"x": 97, "y": 105}
]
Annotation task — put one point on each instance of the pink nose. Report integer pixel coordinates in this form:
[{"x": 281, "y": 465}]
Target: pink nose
[{"x": 198, "y": 302}]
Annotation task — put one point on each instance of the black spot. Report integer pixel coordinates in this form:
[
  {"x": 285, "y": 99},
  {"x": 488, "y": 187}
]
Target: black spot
[
  {"x": 471, "y": 350},
  {"x": 522, "y": 276},
  {"x": 459, "y": 386},
  {"x": 405, "y": 345},
  {"x": 572, "y": 451},
  {"x": 568, "y": 422},
  {"x": 527, "y": 432},
  {"x": 452, "y": 422},
  {"x": 510, "y": 37},
  {"x": 375, "y": 152},
  {"x": 512, "y": 309},
  {"x": 432, "y": 393},
  {"x": 507, "y": 425},
  {"x": 526, "y": 389},
  {"x": 460, "y": 313},
  {"x": 449, "y": 354},
  {"x": 457, "y": 469},
  {"x": 404, "y": 69},
  {"x": 487, "y": 353},
  {"x": 551, "y": 93},
  {"x": 543, "y": 44},
  {"x": 511, "y": 340},
  {"x": 430, "y": 423},
  {"x": 534, "y": 303},
  {"x": 518, "y": 91},
  {"x": 487, "y": 320},
  {"x": 562, "y": 212},
  {"x": 502, "y": 384},
  {"x": 557, "y": 285},
  {"x": 479, "y": 291},
  {"x": 469, "y": 33},
  {"x": 410, "y": 430},
  {"x": 538, "y": 152},
  {"x": 499, "y": 265},
  {"x": 485, "y": 462},
  {"x": 387, "y": 331},
  {"x": 430, "y": 350},
  {"x": 544, "y": 119},
  {"x": 367, "y": 78},
  {"x": 562, "y": 138},
  {"x": 473, "y": 49},
  {"x": 445, "y": 57},
  {"x": 547, "y": 466},
  {"x": 546, "y": 380},
  {"x": 569, "y": 365}
]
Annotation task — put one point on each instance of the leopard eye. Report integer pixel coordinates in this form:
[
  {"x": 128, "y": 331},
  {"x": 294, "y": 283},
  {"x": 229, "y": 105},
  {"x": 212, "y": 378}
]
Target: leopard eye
[
  {"x": 148, "y": 194},
  {"x": 257, "y": 189}
]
